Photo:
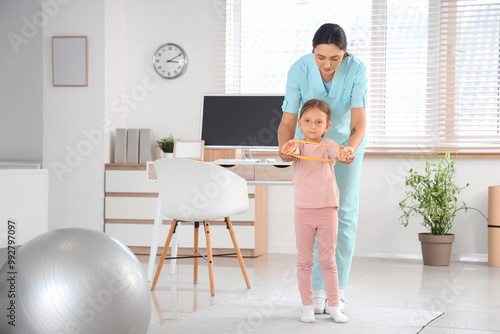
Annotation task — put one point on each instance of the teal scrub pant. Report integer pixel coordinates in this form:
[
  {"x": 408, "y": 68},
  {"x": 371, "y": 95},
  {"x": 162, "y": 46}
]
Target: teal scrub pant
[{"x": 348, "y": 182}]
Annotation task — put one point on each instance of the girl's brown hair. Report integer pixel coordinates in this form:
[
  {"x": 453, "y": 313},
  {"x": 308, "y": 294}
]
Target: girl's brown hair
[
  {"x": 321, "y": 105},
  {"x": 315, "y": 103}
]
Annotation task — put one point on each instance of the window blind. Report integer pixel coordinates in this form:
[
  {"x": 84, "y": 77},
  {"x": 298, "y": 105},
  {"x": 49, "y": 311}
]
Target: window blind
[
  {"x": 402, "y": 80},
  {"x": 468, "y": 112},
  {"x": 233, "y": 46},
  {"x": 265, "y": 37},
  {"x": 433, "y": 66}
]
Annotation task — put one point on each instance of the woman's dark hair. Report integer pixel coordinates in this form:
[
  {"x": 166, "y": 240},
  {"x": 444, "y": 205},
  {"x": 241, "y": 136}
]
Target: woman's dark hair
[{"x": 330, "y": 33}]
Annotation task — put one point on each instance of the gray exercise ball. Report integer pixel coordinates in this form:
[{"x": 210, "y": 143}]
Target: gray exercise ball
[{"x": 74, "y": 281}]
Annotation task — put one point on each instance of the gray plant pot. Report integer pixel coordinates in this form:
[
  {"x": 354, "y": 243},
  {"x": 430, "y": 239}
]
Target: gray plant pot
[{"x": 436, "y": 249}]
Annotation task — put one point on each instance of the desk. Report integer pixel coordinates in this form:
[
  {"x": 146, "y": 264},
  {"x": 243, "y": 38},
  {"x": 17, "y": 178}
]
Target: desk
[
  {"x": 256, "y": 174},
  {"x": 131, "y": 198}
]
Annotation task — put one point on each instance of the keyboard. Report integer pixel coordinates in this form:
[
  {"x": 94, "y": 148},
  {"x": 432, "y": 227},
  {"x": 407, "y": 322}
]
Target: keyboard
[
  {"x": 227, "y": 162},
  {"x": 237, "y": 161}
]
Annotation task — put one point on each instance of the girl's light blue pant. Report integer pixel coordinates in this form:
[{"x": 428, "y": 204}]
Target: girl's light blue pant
[{"x": 348, "y": 181}]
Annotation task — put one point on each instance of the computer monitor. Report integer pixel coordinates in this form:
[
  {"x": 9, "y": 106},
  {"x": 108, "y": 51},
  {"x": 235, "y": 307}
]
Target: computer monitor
[{"x": 241, "y": 121}]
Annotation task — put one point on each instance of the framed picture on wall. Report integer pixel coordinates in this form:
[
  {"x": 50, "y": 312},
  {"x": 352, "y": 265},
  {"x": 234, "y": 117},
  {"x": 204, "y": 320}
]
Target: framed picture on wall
[{"x": 70, "y": 61}]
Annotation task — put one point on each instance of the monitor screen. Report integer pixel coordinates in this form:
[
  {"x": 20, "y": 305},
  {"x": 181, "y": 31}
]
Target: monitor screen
[{"x": 241, "y": 120}]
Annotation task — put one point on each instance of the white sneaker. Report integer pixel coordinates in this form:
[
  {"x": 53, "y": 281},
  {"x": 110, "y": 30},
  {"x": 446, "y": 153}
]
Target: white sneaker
[
  {"x": 319, "y": 301},
  {"x": 342, "y": 302},
  {"x": 319, "y": 305}
]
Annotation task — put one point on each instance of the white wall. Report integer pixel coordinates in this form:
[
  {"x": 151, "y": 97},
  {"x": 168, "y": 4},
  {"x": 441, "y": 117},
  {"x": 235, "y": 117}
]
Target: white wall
[
  {"x": 73, "y": 139},
  {"x": 382, "y": 187},
  {"x": 20, "y": 81},
  {"x": 136, "y": 96}
]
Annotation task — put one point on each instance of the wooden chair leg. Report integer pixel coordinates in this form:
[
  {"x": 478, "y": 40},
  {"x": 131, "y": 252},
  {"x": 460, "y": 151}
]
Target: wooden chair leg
[
  {"x": 209, "y": 257},
  {"x": 164, "y": 254},
  {"x": 195, "y": 253},
  {"x": 238, "y": 253}
]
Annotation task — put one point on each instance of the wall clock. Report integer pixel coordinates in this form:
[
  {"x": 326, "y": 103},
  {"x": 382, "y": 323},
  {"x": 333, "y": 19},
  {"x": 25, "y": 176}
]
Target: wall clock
[{"x": 170, "y": 61}]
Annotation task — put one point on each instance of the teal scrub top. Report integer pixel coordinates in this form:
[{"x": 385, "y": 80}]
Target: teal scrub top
[{"x": 348, "y": 90}]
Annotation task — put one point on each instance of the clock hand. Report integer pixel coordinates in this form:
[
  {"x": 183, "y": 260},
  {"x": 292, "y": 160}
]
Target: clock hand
[{"x": 171, "y": 60}]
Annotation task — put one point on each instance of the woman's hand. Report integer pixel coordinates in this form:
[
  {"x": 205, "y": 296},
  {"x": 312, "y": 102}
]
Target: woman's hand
[
  {"x": 286, "y": 131},
  {"x": 287, "y": 150},
  {"x": 343, "y": 154},
  {"x": 347, "y": 155}
]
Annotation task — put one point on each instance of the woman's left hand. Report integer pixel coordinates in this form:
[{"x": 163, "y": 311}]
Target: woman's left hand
[{"x": 350, "y": 156}]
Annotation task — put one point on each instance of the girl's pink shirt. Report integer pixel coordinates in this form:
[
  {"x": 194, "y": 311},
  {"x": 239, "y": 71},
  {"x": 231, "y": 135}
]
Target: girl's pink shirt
[{"x": 314, "y": 182}]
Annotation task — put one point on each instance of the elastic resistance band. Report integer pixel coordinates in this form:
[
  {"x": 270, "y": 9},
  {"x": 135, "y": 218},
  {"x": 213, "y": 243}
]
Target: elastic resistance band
[
  {"x": 312, "y": 158},
  {"x": 313, "y": 143}
]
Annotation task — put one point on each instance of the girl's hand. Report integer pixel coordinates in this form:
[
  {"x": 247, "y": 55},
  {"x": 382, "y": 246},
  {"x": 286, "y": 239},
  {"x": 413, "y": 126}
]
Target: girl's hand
[
  {"x": 343, "y": 154},
  {"x": 288, "y": 149},
  {"x": 347, "y": 155}
]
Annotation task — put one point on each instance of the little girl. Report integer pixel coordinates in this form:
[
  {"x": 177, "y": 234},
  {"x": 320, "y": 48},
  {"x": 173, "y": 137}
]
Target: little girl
[{"x": 316, "y": 199}]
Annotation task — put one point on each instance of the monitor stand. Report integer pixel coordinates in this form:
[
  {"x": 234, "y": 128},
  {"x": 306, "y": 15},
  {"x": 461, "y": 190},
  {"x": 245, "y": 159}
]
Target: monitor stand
[{"x": 249, "y": 158}]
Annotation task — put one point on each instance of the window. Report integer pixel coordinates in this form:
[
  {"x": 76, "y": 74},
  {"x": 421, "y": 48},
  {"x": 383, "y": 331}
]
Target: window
[
  {"x": 433, "y": 66},
  {"x": 469, "y": 76}
]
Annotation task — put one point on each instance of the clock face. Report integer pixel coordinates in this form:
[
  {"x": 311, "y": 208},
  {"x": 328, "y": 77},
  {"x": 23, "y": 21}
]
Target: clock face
[{"x": 170, "y": 61}]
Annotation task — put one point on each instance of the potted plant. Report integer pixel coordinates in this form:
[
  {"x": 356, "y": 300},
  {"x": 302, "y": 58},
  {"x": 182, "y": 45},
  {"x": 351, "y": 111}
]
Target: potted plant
[
  {"x": 433, "y": 195},
  {"x": 166, "y": 145}
]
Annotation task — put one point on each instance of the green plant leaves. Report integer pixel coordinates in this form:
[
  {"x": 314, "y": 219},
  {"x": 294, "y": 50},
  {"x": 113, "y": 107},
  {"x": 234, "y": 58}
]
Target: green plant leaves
[
  {"x": 166, "y": 144},
  {"x": 433, "y": 196}
]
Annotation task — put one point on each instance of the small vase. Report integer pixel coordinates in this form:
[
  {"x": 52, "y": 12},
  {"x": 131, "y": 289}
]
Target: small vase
[
  {"x": 436, "y": 249},
  {"x": 166, "y": 155}
]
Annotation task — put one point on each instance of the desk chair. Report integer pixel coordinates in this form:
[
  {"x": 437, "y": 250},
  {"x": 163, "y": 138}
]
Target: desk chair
[{"x": 199, "y": 192}]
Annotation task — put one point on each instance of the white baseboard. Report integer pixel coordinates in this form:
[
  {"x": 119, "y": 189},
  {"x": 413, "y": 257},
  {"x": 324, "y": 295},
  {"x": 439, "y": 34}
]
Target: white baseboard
[
  {"x": 470, "y": 257},
  {"x": 282, "y": 250},
  {"x": 463, "y": 257},
  {"x": 389, "y": 255}
]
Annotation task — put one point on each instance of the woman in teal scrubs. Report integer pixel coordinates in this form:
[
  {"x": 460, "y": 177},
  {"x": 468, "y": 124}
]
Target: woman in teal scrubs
[{"x": 338, "y": 78}]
